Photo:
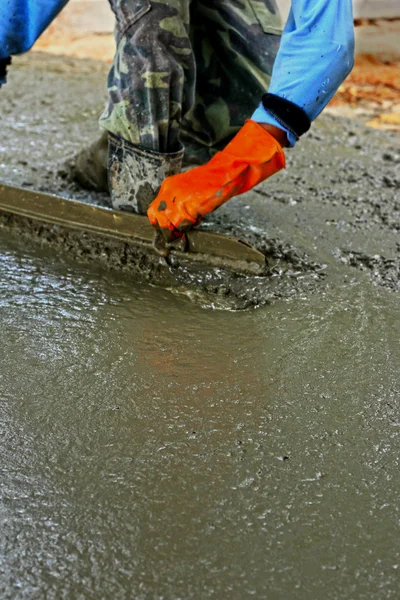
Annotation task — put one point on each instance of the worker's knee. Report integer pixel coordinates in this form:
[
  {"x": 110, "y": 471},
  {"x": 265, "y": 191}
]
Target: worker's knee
[
  {"x": 153, "y": 42},
  {"x": 154, "y": 53},
  {"x": 150, "y": 18},
  {"x": 153, "y": 62},
  {"x": 128, "y": 12}
]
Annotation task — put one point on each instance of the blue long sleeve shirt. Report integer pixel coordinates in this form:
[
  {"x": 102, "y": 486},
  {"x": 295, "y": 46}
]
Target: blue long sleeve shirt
[
  {"x": 22, "y": 22},
  {"x": 315, "y": 55}
]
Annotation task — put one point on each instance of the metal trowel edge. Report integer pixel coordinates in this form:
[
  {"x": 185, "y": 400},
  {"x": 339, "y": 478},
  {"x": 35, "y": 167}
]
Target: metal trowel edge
[{"x": 215, "y": 250}]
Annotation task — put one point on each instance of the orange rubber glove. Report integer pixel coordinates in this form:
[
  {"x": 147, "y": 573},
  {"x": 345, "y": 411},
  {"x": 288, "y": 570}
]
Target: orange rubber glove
[{"x": 184, "y": 199}]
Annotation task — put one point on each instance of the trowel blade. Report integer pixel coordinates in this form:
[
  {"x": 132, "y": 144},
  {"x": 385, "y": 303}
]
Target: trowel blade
[{"x": 70, "y": 214}]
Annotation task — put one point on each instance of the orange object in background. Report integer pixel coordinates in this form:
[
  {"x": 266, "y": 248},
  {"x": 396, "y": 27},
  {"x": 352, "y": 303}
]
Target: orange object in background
[
  {"x": 374, "y": 79},
  {"x": 251, "y": 157},
  {"x": 371, "y": 93}
]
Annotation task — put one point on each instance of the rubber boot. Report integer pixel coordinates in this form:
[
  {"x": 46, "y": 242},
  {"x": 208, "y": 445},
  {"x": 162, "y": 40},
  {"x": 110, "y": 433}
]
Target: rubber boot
[
  {"x": 135, "y": 175},
  {"x": 89, "y": 167}
]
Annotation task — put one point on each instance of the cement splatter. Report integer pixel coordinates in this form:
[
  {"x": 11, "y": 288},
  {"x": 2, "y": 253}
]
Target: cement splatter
[
  {"x": 152, "y": 449},
  {"x": 338, "y": 197}
]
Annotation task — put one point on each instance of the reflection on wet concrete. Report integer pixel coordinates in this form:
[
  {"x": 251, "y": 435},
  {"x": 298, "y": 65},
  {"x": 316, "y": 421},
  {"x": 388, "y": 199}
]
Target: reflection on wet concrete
[{"x": 153, "y": 449}]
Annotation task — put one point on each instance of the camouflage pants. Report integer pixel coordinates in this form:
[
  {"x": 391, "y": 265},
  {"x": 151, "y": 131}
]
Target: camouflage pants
[{"x": 188, "y": 71}]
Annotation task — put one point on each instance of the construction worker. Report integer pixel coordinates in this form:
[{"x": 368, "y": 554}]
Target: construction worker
[{"x": 184, "y": 88}]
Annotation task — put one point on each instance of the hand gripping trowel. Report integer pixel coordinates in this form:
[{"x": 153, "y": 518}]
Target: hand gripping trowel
[{"x": 211, "y": 249}]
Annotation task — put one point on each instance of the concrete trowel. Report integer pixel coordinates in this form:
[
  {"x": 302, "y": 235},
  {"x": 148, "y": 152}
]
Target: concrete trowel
[{"x": 215, "y": 250}]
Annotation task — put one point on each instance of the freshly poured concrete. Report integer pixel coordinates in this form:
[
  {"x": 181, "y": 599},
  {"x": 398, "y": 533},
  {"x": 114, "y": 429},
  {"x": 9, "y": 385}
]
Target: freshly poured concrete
[
  {"x": 337, "y": 203},
  {"x": 154, "y": 448}
]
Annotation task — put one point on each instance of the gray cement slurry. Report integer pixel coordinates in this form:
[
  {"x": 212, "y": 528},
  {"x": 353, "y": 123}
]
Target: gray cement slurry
[
  {"x": 152, "y": 449},
  {"x": 336, "y": 205}
]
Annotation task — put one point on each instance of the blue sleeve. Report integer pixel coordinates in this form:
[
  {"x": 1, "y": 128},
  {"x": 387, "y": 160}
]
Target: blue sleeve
[
  {"x": 315, "y": 55},
  {"x": 22, "y": 22}
]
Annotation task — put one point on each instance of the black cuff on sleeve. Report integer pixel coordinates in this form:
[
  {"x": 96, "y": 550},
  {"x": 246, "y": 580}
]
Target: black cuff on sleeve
[
  {"x": 288, "y": 114},
  {"x": 4, "y": 62}
]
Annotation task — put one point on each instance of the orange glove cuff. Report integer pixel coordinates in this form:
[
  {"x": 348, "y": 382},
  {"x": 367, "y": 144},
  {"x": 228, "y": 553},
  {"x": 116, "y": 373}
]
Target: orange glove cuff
[{"x": 251, "y": 156}]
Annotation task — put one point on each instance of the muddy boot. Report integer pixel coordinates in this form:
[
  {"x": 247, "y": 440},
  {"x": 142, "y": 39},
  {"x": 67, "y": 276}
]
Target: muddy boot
[
  {"x": 89, "y": 167},
  {"x": 135, "y": 174}
]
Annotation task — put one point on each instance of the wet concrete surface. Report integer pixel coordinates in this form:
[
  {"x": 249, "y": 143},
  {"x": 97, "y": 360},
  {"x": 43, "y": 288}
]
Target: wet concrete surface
[
  {"x": 337, "y": 203},
  {"x": 154, "y": 448}
]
